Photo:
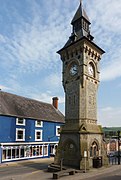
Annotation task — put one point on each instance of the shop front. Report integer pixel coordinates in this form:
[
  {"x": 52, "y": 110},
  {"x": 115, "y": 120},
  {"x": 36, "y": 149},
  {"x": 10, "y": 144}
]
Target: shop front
[{"x": 16, "y": 151}]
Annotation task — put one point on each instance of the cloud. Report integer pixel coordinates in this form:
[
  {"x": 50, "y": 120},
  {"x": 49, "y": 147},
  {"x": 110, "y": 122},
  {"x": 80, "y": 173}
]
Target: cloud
[
  {"x": 53, "y": 81},
  {"x": 33, "y": 35},
  {"x": 34, "y": 40},
  {"x": 30, "y": 44},
  {"x": 4, "y": 88},
  {"x": 110, "y": 116},
  {"x": 44, "y": 97},
  {"x": 106, "y": 28},
  {"x": 34, "y": 43},
  {"x": 112, "y": 71},
  {"x": 52, "y": 85},
  {"x": 2, "y": 39},
  {"x": 106, "y": 15},
  {"x": 28, "y": 49},
  {"x": 47, "y": 97}
]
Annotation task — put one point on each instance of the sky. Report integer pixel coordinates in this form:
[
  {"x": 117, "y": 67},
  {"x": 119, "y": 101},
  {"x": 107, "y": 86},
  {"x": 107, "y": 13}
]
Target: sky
[{"x": 32, "y": 31}]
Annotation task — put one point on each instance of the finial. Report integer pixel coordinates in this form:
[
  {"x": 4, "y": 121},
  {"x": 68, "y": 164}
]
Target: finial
[{"x": 80, "y": 1}]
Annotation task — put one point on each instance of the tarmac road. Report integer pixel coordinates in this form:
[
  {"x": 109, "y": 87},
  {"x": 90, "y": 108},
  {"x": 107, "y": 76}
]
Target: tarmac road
[
  {"x": 114, "y": 175},
  {"x": 21, "y": 169},
  {"x": 37, "y": 170}
]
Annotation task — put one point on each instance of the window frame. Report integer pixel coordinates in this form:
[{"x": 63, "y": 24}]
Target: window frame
[
  {"x": 57, "y": 134},
  {"x": 38, "y": 130},
  {"x": 36, "y": 125},
  {"x": 20, "y": 129},
  {"x": 46, "y": 145},
  {"x": 17, "y": 123}
]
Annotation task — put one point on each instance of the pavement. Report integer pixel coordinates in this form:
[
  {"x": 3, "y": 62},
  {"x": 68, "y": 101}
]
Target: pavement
[
  {"x": 45, "y": 175},
  {"x": 28, "y": 161}
]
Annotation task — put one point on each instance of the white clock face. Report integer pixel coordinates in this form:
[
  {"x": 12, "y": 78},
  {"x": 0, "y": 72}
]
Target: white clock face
[
  {"x": 91, "y": 70},
  {"x": 73, "y": 69}
]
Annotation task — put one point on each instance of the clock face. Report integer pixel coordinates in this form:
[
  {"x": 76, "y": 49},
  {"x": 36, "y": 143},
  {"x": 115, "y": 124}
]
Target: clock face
[
  {"x": 91, "y": 70},
  {"x": 73, "y": 69}
]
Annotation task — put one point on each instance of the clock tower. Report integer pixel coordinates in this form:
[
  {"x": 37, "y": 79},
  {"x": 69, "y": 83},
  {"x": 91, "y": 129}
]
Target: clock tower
[{"x": 81, "y": 134}]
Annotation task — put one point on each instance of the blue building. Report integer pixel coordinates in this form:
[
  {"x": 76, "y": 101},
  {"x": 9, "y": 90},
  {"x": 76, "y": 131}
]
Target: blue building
[{"x": 28, "y": 128}]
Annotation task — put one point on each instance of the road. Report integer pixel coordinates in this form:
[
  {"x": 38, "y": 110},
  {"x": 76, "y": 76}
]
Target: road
[
  {"x": 21, "y": 169},
  {"x": 12, "y": 171},
  {"x": 109, "y": 173},
  {"x": 114, "y": 175},
  {"x": 37, "y": 169}
]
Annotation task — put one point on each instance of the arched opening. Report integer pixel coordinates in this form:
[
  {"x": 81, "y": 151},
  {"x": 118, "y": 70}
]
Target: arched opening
[
  {"x": 91, "y": 69},
  {"x": 94, "y": 150}
]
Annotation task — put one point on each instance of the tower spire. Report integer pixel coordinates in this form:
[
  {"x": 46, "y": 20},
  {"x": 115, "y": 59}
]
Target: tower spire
[
  {"x": 80, "y": 23},
  {"x": 80, "y": 13},
  {"x": 80, "y": 26}
]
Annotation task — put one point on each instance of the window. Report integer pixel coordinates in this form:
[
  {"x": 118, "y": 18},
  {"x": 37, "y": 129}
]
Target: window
[
  {"x": 45, "y": 150},
  {"x": 36, "y": 150},
  {"x": 20, "y": 121},
  {"x": 57, "y": 130},
  {"x": 38, "y": 135},
  {"x": 38, "y": 123},
  {"x": 94, "y": 150},
  {"x": 41, "y": 150},
  {"x": 20, "y": 134},
  {"x": 53, "y": 149}
]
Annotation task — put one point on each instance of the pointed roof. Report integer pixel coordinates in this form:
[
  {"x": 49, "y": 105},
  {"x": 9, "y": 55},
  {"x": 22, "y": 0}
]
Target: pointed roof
[
  {"x": 18, "y": 106},
  {"x": 79, "y": 14}
]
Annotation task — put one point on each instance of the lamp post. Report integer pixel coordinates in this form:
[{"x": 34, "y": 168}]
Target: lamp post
[{"x": 118, "y": 147}]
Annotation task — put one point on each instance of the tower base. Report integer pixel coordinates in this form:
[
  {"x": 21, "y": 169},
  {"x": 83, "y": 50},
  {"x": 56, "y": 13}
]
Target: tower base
[{"x": 82, "y": 149}]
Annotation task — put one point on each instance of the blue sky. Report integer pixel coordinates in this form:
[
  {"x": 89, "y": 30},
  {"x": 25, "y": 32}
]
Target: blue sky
[{"x": 31, "y": 31}]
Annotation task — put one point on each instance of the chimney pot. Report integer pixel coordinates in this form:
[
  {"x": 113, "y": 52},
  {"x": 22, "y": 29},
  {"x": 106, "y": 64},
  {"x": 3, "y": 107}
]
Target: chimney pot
[{"x": 55, "y": 102}]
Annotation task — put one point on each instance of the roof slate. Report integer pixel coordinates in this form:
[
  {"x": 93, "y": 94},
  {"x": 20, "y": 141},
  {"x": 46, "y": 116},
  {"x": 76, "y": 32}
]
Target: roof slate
[
  {"x": 18, "y": 106},
  {"x": 79, "y": 14}
]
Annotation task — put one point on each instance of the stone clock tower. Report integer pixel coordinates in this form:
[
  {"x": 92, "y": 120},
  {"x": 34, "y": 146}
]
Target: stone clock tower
[{"x": 81, "y": 134}]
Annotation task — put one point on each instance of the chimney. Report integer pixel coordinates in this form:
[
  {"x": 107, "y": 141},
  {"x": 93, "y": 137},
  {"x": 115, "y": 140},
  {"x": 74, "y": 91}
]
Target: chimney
[{"x": 55, "y": 102}]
